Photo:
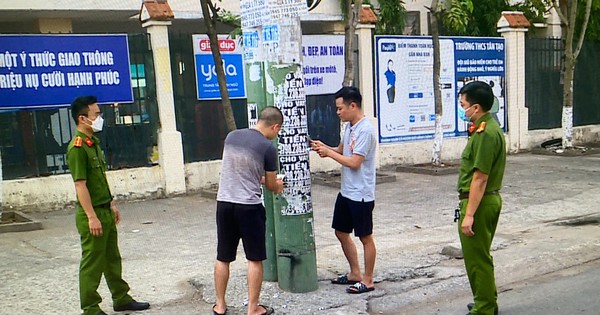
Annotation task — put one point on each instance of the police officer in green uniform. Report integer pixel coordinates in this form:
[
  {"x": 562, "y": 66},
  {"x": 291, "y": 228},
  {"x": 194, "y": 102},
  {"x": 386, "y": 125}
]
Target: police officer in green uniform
[
  {"x": 97, "y": 214},
  {"x": 481, "y": 171}
]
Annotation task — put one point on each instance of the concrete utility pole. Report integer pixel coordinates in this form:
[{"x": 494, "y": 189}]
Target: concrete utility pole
[{"x": 272, "y": 56}]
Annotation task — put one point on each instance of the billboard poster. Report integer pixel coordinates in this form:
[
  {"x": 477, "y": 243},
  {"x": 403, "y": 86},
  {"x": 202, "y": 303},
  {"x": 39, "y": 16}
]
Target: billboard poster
[
  {"x": 51, "y": 70},
  {"x": 207, "y": 85},
  {"x": 404, "y": 80},
  {"x": 322, "y": 63}
]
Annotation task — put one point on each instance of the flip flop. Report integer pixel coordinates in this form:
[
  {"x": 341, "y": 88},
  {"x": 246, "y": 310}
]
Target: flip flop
[
  {"x": 359, "y": 288},
  {"x": 343, "y": 279},
  {"x": 215, "y": 312},
  {"x": 268, "y": 310}
]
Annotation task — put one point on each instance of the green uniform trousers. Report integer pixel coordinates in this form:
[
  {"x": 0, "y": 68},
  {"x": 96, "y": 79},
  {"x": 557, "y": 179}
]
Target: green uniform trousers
[
  {"x": 100, "y": 255},
  {"x": 476, "y": 251}
]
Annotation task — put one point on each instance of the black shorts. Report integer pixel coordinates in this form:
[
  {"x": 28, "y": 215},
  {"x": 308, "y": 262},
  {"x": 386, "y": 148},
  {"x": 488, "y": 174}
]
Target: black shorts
[
  {"x": 351, "y": 215},
  {"x": 235, "y": 221}
]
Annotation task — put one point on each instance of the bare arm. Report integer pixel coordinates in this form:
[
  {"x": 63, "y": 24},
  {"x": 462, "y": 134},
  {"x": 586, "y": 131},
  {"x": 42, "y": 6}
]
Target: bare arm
[
  {"x": 476, "y": 191},
  {"x": 272, "y": 183},
  {"x": 86, "y": 203},
  {"x": 316, "y": 144},
  {"x": 337, "y": 154},
  {"x": 352, "y": 162}
]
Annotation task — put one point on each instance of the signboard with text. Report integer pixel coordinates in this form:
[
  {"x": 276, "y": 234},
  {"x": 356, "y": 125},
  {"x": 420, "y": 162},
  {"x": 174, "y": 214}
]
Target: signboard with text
[
  {"x": 322, "y": 63},
  {"x": 206, "y": 74},
  {"x": 404, "y": 80},
  {"x": 52, "y": 70}
]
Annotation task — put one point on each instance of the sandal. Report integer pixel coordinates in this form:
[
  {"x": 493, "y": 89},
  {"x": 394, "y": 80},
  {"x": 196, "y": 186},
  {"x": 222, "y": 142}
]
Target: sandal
[
  {"x": 343, "y": 279},
  {"x": 268, "y": 310},
  {"x": 359, "y": 288},
  {"x": 215, "y": 312}
]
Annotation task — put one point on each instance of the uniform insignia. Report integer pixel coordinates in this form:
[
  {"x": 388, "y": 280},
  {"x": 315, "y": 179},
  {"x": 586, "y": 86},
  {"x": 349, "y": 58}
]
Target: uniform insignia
[
  {"x": 89, "y": 142},
  {"x": 471, "y": 128},
  {"x": 78, "y": 141},
  {"x": 481, "y": 127}
]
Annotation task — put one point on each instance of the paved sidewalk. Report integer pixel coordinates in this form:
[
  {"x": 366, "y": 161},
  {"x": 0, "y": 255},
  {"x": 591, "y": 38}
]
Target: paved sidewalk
[{"x": 168, "y": 247}]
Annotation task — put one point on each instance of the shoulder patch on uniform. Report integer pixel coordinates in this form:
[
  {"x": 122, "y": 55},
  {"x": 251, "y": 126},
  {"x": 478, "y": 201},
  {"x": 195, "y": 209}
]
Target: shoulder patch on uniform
[
  {"x": 471, "y": 128},
  {"x": 481, "y": 127},
  {"x": 78, "y": 142},
  {"x": 89, "y": 142}
]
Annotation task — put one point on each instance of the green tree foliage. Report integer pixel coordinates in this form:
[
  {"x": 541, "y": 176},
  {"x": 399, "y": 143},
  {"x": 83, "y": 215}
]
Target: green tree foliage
[
  {"x": 391, "y": 15},
  {"x": 458, "y": 16},
  {"x": 479, "y": 17},
  {"x": 593, "y": 27}
]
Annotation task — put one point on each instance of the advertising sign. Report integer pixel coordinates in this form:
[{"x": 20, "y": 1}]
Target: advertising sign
[
  {"x": 323, "y": 63},
  {"x": 52, "y": 70},
  {"x": 206, "y": 73},
  {"x": 404, "y": 79}
]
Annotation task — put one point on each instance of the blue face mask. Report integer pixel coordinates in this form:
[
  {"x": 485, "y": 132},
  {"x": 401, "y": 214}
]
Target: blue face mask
[{"x": 462, "y": 113}]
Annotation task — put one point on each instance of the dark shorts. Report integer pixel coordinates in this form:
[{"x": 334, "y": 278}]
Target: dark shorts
[
  {"x": 235, "y": 221},
  {"x": 351, "y": 215}
]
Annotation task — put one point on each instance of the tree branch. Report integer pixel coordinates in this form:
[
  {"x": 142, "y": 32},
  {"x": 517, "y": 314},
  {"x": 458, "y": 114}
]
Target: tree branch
[
  {"x": 588, "y": 10},
  {"x": 562, "y": 17}
]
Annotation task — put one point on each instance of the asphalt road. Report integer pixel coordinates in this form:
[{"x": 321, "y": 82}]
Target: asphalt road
[{"x": 575, "y": 290}]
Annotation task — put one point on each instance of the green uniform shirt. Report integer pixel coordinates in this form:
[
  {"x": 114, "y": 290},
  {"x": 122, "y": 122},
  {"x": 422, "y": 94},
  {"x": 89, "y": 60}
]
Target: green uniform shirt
[
  {"x": 86, "y": 162},
  {"x": 486, "y": 152}
]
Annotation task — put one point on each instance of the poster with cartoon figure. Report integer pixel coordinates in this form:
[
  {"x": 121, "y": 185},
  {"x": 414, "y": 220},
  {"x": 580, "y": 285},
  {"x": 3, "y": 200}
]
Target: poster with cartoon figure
[{"x": 404, "y": 83}]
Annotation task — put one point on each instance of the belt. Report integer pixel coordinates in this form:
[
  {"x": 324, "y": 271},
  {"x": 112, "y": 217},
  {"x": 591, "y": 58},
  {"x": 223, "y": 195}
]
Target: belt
[
  {"x": 465, "y": 195},
  {"x": 104, "y": 205}
]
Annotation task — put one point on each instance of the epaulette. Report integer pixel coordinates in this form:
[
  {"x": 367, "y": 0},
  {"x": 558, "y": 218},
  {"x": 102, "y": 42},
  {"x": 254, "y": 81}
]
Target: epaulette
[
  {"x": 481, "y": 127},
  {"x": 78, "y": 142}
]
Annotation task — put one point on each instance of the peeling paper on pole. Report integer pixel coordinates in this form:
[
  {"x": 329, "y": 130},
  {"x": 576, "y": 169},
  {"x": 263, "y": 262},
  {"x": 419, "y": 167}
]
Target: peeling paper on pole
[{"x": 293, "y": 144}]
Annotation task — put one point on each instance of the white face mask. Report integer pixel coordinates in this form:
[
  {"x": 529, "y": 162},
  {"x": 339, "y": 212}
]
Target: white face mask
[{"x": 97, "y": 123}]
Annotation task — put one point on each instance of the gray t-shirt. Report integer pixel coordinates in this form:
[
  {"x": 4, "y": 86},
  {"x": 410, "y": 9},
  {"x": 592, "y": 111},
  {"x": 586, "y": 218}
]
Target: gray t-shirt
[
  {"x": 247, "y": 154},
  {"x": 359, "y": 184}
]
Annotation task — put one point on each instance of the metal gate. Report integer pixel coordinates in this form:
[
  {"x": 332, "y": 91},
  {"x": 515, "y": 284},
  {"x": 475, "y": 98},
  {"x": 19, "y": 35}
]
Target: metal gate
[{"x": 544, "y": 91}]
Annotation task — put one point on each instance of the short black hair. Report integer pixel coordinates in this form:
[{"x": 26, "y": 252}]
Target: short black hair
[
  {"x": 271, "y": 115},
  {"x": 80, "y": 106},
  {"x": 349, "y": 94},
  {"x": 478, "y": 92}
]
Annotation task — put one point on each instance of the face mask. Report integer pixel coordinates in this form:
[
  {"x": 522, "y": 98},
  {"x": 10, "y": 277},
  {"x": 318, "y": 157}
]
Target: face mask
[
  {"x": 462, "y": 114},
  {"x": 97, "y": 124}
]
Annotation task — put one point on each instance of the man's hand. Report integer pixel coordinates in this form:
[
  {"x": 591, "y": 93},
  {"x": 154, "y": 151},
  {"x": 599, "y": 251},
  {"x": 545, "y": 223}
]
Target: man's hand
[
  {"x": 279, "y": 189},
  {"x": 95, "y": 226},
  {"x": 467, "y": 226},
  {"x": 113, "y": 208},
  {"x": 315, "y": 144},
  {"x": 320, "y": 148}
]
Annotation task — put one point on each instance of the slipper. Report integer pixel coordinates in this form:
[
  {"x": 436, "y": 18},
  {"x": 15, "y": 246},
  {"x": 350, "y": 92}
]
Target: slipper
[
  {"x": 268, "y": 310},
  {"x": 359, "y": 288},
  {"x": 343, "y": 279},
  {"x": 215, "y": 312}
]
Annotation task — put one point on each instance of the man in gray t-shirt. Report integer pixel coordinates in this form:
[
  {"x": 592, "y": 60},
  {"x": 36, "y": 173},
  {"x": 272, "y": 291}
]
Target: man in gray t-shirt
[
  {"x": 356, "y": 201},
  {"x": 249, "y": 159}
]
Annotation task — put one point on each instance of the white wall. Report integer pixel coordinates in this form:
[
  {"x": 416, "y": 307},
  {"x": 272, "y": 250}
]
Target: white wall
[{"x": 54, "y": 192}]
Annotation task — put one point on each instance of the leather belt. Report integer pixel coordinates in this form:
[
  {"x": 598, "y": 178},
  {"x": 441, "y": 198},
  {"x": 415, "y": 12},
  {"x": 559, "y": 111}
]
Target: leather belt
[{"x": 465, "y": 195}]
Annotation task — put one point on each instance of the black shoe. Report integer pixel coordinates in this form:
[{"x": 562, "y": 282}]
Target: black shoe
[
  {"x": 132, "y": 306},
  {"x": 471, "y": 305}
]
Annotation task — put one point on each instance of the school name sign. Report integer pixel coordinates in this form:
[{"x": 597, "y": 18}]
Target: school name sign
[{"x": 51, "y": 70}]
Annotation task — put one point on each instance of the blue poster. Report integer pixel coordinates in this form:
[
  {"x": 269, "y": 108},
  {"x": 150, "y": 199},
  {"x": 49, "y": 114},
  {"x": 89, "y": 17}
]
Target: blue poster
[
  {"x": 206, "y": 76},
  {"x": 52, "y": 70},
  {"x": 404, "y": 80},
  {"x": 206, "y": 73}
]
